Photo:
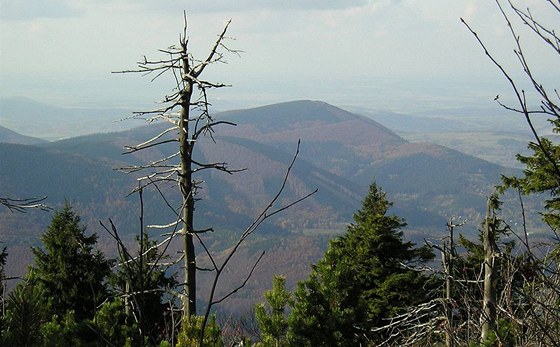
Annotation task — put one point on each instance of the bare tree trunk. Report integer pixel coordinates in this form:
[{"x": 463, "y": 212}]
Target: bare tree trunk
[
  {"x": 190, "y": 126},
  {"x": 490, "y": 273},
  {"x": 186, "y": 71},
  {"x": 186, "y": 184}
]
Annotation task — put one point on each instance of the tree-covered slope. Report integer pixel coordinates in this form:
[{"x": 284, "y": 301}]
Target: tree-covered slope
[
  {"x": 340, "y": 155},
  {"x": 421, "y": 178}
]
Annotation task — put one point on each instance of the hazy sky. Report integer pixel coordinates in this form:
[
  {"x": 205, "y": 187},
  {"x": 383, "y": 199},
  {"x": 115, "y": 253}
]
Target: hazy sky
[{"x": 379, "y": 54}]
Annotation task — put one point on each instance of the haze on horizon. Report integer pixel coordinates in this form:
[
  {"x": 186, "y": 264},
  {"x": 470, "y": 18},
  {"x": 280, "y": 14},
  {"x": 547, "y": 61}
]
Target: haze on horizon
[{"x": 398, "y": 55}]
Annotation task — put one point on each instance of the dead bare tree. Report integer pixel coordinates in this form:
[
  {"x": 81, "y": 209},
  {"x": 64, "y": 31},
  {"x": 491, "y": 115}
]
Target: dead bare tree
[
  {"x": 425, "y": 323},
  {"x": 498, "y": 292},
  {"x": 136, "y": 269},
  {"x": 190, "y": 120},
  {"x": 448, "y": 255},
  {"x": 270, "y": 210},
  {"x": 531, "y": 293}
]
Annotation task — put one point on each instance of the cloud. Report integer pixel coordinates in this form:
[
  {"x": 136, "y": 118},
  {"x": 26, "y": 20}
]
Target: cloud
[
  {"x": 16, "y": 10},
  {"x": 29, "y": 10},
  {"x": 208, "y": 6}
]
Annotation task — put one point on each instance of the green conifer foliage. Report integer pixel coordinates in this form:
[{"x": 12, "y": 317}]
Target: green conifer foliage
[
  {"x": 112, "y": 324},
  {"x": 68, "y": 269},
  {"x": 26, "y": 313},
  {"x": 364, "y": 277},
  {"x": 541, "y": 175},
  {"x": 274, "y": 322},
  {"x": 190, "y": 331}
]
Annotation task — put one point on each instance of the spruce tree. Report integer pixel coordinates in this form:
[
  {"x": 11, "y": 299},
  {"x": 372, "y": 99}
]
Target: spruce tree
[
  {"x": 364, "y": 277},
  {"x": 541, "y": 176},
  {"x": 68, "y": 268}
]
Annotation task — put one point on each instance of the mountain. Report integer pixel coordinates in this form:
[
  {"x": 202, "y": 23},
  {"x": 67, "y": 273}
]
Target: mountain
[
  {"x": 9, "y": 136},
  {"x": 419, "y": 177},
  {"x": 341, "y": 153}
]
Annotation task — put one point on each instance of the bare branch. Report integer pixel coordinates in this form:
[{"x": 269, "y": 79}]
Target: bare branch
[
  {"x": 520, "y": 94},
  {"x": 243, "y": 283},
  {"x": 213, "y": 52},
  {"x": 23, "y": 205},
  {"x": 264, "y": 215}
]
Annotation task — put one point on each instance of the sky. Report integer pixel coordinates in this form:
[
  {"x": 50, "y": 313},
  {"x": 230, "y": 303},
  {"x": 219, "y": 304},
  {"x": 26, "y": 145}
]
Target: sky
[{"x": 398, "y": 55}]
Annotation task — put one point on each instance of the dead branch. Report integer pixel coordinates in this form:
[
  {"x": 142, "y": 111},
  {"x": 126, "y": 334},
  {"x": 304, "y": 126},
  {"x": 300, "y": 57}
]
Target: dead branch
[{"x": 23, "y": 205}]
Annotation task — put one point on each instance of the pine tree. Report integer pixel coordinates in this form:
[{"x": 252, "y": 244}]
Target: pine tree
[
  {"x": 68, "y": 269},
  {"x": 273, "y": 323},
  {"x": 364, "y": 277},
  {"x": 25, "y": 315}
]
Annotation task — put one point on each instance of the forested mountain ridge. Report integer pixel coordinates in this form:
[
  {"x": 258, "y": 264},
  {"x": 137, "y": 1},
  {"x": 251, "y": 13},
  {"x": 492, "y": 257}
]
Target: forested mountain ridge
[
  {"x": 343, "y": 151},
  {"x": 341, "y": 154},
  {"x": 361, "y": 150}
]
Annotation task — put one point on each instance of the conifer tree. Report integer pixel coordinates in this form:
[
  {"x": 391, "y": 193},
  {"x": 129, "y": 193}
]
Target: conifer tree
[
  {"x": 26, "y": 312},
  {"x": 68, "y": 268},
  {"x": 364, "y": 277},
  {"x": 274, "y": 323}
]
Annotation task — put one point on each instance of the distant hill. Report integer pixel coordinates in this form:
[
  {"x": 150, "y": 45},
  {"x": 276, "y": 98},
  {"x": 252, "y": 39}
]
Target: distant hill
[
  {"x": 9, "y": 136},
  {"x": 418, "y": 176},
  {"x": 33, "y": 118},
  {"x": 341, "y": 154},
  {"x": 492, "y": 134}
]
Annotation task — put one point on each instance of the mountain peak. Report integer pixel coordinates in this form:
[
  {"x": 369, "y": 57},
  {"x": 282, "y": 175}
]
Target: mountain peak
[
  {"x": 304, "y": 119},
  {"x": 298, "y": 110}
]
